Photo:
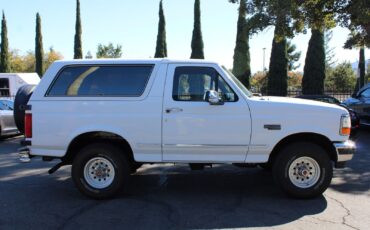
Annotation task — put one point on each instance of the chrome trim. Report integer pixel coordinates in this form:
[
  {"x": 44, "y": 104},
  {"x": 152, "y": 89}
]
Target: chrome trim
[
  {"x": 201, "y": 145},
  {"x": 345, "y": 150}
]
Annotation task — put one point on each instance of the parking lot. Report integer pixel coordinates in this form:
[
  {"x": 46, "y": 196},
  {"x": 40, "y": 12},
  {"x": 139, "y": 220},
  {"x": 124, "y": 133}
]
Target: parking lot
[{"x": 173, "y": 197}]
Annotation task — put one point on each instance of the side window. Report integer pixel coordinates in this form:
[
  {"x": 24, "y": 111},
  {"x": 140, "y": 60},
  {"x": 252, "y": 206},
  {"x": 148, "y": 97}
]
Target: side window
[
  {"x": 366, "y": 93},
  {"x": 4, "y": 87},
  {"x": 191, "y": 84},
  {"x": 2, "y": 106},
  {"x": 129, "y": 81}
]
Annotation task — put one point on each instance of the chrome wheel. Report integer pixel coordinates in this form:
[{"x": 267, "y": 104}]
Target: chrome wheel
[
  {"x": 304, "y": 172},
  {"x": 99, "y": 172}
]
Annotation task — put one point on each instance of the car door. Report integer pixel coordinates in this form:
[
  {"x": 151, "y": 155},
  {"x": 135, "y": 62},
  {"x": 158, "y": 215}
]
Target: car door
[
  {"x": 194, "y": 130},
  {"x": 7, "y": 120},
  {"x": 10, "y": 105},
  {"x": 364, "y": 105}
]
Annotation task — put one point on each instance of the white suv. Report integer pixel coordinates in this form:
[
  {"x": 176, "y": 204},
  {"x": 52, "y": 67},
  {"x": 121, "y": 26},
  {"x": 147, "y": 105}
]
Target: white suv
[{"x": 107, "y": 117}]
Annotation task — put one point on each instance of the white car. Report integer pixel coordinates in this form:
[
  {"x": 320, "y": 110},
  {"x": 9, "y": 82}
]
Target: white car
[
  {"x": 7, "y": 125},
  {"x": 107, "y": 117}
]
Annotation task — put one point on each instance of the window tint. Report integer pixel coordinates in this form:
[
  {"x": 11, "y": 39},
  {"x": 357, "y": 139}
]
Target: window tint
[
  {"x": 2, "y": 106},
  {"x": 366, "y": 93},
  {"x": 191, "y": 84},
  {"x": 9, "y": 104},
  {"x": 101, "y": 81}
]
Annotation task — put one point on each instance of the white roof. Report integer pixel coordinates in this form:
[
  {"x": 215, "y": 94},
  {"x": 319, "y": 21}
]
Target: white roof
[{"x": 132, "y": 61}]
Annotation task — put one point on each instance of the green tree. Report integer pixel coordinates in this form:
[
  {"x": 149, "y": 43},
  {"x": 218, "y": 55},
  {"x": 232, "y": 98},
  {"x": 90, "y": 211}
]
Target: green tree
[
  {"x": 161, "y": 48},
  {"x": 27, "y": 63},
  {"x": 355, "y": 15},
  {"x": 283, "y": 15},
  {"x": 197, "y": 39},
  {"x": 293, "y": 56},
  {"x": 78, "y": 33},
  {"x": 5, "y": 66},
  {"x": 250, "y": 21},
  {"x": 241, "y": 64},
  {"x": 277, "y": 83},
  {"x": 109, "y": 51},
  {"x": 51, "y": 57},
  {"x": 39, "y": 50},
  {"x": 355, "y": 40},
  {"x": 314, "y": 68},
  {"x": 319, "y": 15},
  {"x": 88, "y": 55},
  {"x": 341, "y": 78},
  {"x": 22, "y": 63}
]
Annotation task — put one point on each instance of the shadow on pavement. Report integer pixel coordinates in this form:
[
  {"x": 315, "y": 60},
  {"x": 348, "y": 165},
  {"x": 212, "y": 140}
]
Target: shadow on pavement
[{"x": 355, "y": 178}]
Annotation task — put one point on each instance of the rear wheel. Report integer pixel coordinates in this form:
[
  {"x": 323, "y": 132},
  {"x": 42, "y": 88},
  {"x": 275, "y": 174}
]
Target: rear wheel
[
  {"x": 303, "y": 170},
  {"x": 100, "y": 170}
]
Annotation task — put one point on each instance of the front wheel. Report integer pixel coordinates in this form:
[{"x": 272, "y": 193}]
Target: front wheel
[
  {"x": 303, "y": 170},
  {"x": 100, "y": 170}
]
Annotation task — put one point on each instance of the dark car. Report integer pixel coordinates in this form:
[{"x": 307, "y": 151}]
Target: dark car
[
  {"x": 360, "y": 102},
  {"x": 355, "y": 119}
]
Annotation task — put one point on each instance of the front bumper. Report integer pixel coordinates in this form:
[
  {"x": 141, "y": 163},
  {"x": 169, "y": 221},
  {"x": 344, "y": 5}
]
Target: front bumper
[{"x": 345, "y": 150}]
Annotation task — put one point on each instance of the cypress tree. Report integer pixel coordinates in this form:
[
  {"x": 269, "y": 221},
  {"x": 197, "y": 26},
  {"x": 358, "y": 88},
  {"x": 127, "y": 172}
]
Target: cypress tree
[
  {"x": 197, "y": 40},
  {"x": 161, "y": 48},
  {"x": 314, "y": 68},
  {"x": 361, "y": 67},
  {"x": 39, "y": 51},
  {"x": 4, "y": 56},
  {"x": 277, "y": 84},
  {"x": 78, "y": 42},
  {"x": 241, "y": 65}
]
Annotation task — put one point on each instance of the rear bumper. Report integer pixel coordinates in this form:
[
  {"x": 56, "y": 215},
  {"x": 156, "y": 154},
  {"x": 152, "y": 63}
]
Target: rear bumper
[{"x": 345, "y": 150}]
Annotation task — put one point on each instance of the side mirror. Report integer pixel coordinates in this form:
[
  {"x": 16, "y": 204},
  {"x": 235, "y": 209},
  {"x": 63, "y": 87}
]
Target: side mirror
[{"x": 213, "y": 98}]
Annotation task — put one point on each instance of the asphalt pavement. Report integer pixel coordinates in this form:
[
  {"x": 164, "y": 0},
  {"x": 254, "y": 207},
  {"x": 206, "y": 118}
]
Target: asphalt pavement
[{"x": 173, "y": 197}]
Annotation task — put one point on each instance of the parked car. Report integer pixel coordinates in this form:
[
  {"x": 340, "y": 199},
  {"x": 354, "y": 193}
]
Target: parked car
[
  {"x": 107, "y": 117},
  {"x": 7, "y": 124},
  {"x": 360, "y": 103},
  {"x": 355, "y": 119}
]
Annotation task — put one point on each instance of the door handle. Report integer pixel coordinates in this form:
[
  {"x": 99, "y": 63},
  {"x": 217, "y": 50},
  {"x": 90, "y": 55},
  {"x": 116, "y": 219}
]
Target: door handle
[{"x": 173, "y": 110}]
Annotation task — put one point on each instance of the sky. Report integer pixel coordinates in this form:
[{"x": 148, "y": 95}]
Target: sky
[{"x": 134, "y": 25}]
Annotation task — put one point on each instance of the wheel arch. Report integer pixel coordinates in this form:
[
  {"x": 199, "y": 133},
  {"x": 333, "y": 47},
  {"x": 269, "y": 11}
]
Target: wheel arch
[
  {"x": 83, "y": 139},
  {"x": 316, "y": 138}
]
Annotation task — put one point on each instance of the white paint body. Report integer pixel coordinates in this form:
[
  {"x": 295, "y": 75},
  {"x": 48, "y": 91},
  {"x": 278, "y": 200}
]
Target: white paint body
[{"x": 199, "y": 132}]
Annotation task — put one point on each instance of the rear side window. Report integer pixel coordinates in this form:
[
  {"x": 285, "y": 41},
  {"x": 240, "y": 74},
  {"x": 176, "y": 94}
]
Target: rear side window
[{"x": 127, "y": 81}]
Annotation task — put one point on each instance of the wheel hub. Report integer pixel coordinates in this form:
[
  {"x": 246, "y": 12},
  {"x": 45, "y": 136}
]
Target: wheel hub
[
  {"x": 99, "y": 172},
  {"x": 304, "y": 172}
]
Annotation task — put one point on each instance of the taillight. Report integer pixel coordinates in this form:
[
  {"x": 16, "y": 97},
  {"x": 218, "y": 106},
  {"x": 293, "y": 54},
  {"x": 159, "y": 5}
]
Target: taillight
[{"x": 28, "y": 125}]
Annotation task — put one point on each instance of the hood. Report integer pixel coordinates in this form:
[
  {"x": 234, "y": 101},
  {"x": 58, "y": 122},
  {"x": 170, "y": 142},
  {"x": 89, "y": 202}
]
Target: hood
[
  {"x": 297, "y": 101},
  {"x": 296, "y": 115}
]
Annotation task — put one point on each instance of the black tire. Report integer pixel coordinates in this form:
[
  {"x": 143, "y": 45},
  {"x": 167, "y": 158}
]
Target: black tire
[
  {"x": 312, "y": 152},
  {"x": 135, "y": 166},
  {"x": 21, "y": 99},
  {"x": 196, "y": 166},
  {"x": 107, "y": 152},
  {"x": 265, "y": 166}
]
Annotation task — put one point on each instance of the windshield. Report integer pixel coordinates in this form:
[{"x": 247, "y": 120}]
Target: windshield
[{"x": 238, "y": 83}]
